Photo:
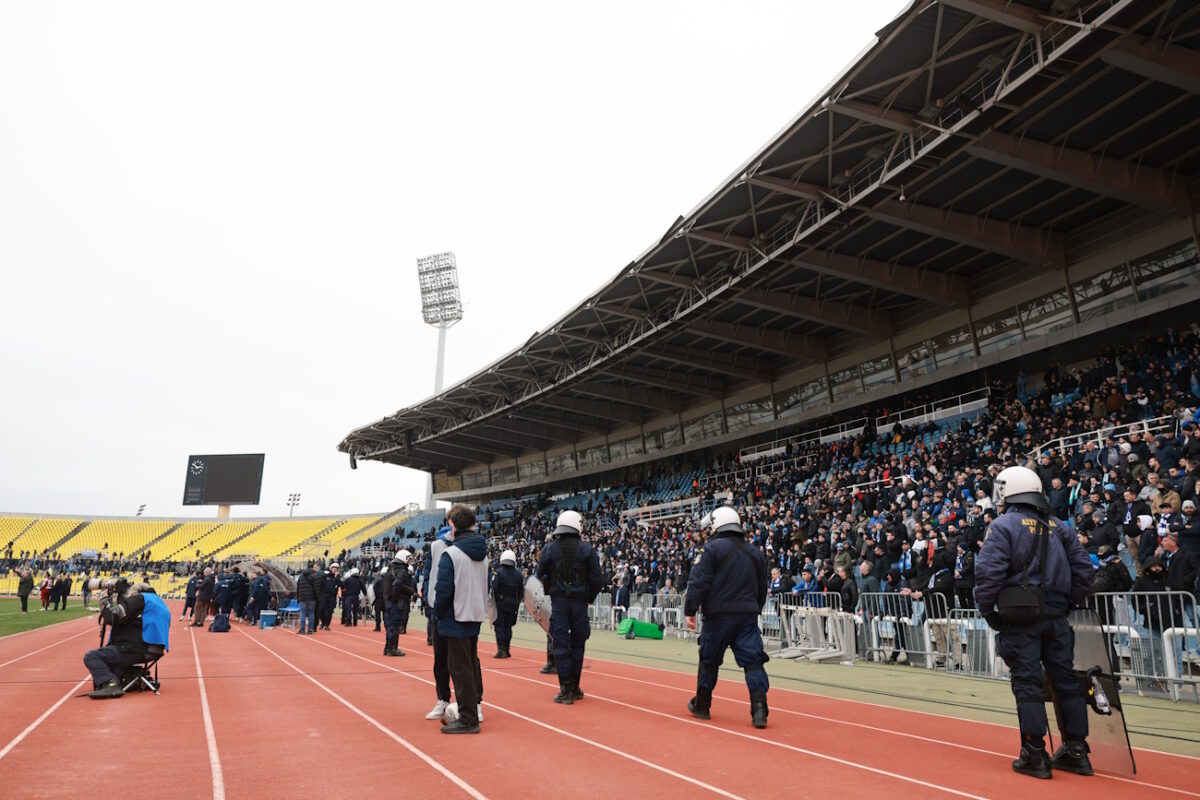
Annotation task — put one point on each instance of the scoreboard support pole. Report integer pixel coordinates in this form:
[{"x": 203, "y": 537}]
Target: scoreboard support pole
[{"x": 223, "y": 512}]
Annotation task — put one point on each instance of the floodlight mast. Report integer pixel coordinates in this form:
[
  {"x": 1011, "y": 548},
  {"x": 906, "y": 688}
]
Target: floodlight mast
[{"x": 441, "y": 306}]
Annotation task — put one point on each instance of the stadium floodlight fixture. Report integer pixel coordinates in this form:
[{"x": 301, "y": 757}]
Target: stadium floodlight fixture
[
  {"x": 293, "y": 501},
  {"x": 441, "y": 304},
  {"x": 141, "y": 508}
]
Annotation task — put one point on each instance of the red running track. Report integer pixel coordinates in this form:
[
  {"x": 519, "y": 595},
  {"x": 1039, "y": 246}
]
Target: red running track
[{"x": 288, "y": 713}]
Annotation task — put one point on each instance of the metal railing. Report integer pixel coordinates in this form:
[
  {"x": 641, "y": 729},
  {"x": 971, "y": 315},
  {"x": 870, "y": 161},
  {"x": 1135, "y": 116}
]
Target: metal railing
[
  {"x": 964, "y": 403},
  {"x": 1069, "y": 444},
  {"x": 831, "y": 433},
  {"x": 682, "y": 507},
  {"x": 896, "y": 624}
]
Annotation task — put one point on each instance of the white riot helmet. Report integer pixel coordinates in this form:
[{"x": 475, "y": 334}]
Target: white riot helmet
[
  {"x": 403, "y": 556},
  {"x": 724, "y": 518},
  {"x": 569, "y": 522},
  {"x": 508, "y": 557},
  {"x": 1019, "y": 485}
]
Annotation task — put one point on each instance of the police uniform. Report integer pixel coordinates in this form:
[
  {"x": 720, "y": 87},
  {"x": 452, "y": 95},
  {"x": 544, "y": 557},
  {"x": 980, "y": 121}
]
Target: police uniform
[
  {"x": 729, "y": 583},
  {"x": 1047, "y": 642},
  {"x": 400, "y": 590},
  {"x": 506, "y": 590},
  {"x": 570, "y": 570}
]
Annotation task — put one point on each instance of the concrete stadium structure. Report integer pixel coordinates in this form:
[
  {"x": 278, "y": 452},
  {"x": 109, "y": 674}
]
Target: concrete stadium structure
[{"x": 988, "y": 180}]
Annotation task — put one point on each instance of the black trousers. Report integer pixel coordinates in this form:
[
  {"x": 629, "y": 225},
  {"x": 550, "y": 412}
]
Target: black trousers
[
  {"x": 506, "y": 617},
  {"x": 441, "y": 673},
  {"x": 1028, "y": 650},
  {"x": 24, "y": 602},
  {"x": 463, "y": 661},
  {"x": 104, "y": 662}
]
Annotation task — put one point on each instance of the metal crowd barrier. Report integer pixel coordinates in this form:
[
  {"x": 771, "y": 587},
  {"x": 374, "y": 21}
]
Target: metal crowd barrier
[
  {"x": 895, "y": 624},
  {"x": 1152, "y": 641},
  {"x": 813, "y": 626},
  {"x": 971, "y": 646}
]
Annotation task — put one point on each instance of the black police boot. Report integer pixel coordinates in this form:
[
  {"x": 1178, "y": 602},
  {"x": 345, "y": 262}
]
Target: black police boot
[
  {"x": 1072, "y": 757},
  {"x": 549, "y": 668},
  {"x": 376, "y": 629},
  {"x": 107, "y": 691},
  {"x": 700, "y": 706},
  {"x": 576, "y": 692},
  {"x": 565, "y": 695},
  {"x": 1033, "y": 761},
  {"x": 758, "y": 709}
]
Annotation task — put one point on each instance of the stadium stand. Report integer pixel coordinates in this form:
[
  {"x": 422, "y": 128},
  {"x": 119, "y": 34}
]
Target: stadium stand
[
  {"x": 114, "y": 536},
  {"x": 276, "y": 537}
]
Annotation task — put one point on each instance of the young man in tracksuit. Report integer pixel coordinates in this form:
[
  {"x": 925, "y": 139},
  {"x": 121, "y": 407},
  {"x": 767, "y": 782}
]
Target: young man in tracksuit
[
  {"x": 460, "y": 606},
  {"x": 441, "y": 677}
]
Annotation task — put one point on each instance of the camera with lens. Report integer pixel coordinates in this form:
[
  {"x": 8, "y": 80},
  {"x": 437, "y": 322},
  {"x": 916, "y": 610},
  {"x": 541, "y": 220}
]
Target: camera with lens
[{"x": 117, "y": 586}]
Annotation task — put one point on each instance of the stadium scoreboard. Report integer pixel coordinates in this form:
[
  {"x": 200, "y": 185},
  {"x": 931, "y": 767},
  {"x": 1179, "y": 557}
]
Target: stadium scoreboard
[{"x": 227, "y": 480}]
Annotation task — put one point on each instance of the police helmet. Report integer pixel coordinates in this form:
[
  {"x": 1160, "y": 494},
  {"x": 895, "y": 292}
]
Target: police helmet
[
  {"x": 508, "y": 557},
  {"x": 1019, "y": 485},
  {"x": 725, "y": 519},
  {"x": 569, "y": 522},
  {"x": 403, "y": 556}
]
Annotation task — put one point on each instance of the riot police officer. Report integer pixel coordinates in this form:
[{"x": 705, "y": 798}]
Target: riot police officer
[
  {"x": 1012, "y": 556},
  {"x": 400, "y": 591},
  {"x": 507, "y": 588},
  {"x": 729, "y": 583},
  {"x": 570, "y": 570}
]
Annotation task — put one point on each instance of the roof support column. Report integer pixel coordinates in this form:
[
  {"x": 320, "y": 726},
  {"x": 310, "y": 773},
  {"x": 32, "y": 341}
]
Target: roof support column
[{"x": 1070, "y": 293}]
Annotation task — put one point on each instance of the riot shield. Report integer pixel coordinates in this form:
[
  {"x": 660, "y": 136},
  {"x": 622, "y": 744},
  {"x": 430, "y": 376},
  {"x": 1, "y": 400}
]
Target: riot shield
[
  {"x": 1107, "y": 736},
  {"x": 492, "y": 613},
  {"x": 537, "y": 602}
]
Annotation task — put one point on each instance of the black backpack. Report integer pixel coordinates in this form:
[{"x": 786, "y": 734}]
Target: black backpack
[{"x": 219, "y": 624}]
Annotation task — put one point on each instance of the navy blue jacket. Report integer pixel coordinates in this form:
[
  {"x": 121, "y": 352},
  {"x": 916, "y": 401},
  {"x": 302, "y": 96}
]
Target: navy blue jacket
[
  {"x": 739, "y": 587},
  {"x": 224, "y": 584},
  {"x": 1009, "y": 547},
  {"x": 507, "y": 587},
  {"x": 475, "y": 547},
  {"x": 550, "y": 564},
  {"x": 192, "y": 585}
]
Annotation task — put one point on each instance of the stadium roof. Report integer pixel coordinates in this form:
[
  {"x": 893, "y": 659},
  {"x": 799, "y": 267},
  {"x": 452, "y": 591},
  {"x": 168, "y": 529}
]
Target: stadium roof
[{"x": 975, "y": 144}]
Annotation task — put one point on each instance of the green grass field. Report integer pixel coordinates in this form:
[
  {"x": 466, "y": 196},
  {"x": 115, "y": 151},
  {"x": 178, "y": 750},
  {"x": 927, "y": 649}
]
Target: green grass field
[{"x": 13, "y": 621}]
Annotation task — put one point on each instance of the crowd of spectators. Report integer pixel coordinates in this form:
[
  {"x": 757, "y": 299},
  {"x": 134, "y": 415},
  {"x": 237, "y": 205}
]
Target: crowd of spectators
[{"x": 903, "y": 509}]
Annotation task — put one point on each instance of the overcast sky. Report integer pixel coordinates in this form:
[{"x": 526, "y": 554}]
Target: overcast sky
[{"x": 210, "y": 212}]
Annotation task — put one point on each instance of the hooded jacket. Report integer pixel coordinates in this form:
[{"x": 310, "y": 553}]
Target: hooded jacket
[{"x": 461, "y": 587}]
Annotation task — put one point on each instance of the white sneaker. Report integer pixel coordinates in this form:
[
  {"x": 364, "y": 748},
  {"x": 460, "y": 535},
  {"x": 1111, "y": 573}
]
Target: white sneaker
[
  {"x": 480, "y": 707},
  {"x": 438, "y": 710}
]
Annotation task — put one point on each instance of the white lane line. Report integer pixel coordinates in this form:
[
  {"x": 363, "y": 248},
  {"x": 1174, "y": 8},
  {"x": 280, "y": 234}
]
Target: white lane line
[
  {"x": 33, "y": 725},
  {"x": 40, "y": 649},
  {"x": 884, "y": 706},
  {"x": 814, "y": 754},
  {"x": 658, "y": 767},
  {"x": 214, "y": 758},
  {"x": 459, "y": 782},
  {"x": 889, "y": 732}
]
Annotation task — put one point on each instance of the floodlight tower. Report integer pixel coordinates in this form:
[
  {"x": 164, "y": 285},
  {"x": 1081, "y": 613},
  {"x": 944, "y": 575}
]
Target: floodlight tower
[{"x": 441, "y": 307}]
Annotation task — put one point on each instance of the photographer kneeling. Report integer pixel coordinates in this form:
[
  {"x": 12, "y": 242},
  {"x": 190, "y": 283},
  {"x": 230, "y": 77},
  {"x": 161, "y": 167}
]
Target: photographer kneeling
[{"x": 139, "y": 622}]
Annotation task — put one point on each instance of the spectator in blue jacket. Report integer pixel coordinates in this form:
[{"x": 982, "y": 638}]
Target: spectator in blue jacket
[{"x": 460, "y": 606}]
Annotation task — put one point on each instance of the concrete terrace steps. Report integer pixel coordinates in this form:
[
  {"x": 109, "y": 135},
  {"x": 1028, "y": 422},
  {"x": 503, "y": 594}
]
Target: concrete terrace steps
[
  {"x": 195, "y": 543},
  {"x": 54, "y": 547},
  {"x": 158, "y": 538},
  {"x": 231, "y": 543}
]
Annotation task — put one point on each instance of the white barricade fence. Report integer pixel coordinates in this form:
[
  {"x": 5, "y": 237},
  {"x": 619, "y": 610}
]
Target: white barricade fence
[
  {"x": 813, "y": 626},
  {"x": 896, "y": 624},
  {"x": 1152, "y": 641},
  {"x": 971, "y": 646}
]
